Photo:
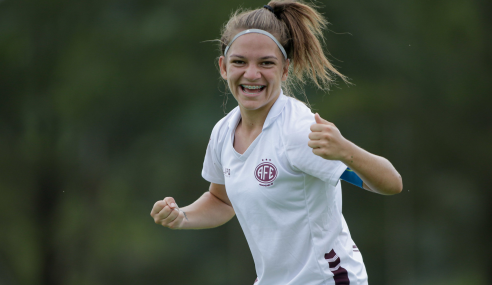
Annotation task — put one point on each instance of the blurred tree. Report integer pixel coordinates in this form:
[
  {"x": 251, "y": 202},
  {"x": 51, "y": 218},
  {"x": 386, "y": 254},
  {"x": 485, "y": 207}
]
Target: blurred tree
[{"x": 106, "y": 107}]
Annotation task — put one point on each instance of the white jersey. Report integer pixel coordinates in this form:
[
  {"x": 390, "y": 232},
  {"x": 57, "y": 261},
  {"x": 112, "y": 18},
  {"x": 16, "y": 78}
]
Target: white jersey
[{"x": 287, "y": 200}]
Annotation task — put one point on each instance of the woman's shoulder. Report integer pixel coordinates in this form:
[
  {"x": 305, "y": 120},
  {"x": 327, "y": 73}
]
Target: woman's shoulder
[
  {"x": 222, "y": 126},
  {"x": 296, "y": 122},
  {"x": 298, "y": 108}
]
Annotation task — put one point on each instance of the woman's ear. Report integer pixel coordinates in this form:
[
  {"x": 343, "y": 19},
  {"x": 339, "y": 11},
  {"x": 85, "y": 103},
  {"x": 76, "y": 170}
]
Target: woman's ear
[
  {"x": 285, "y": 71},
  {"x": 222, "y": 66}
]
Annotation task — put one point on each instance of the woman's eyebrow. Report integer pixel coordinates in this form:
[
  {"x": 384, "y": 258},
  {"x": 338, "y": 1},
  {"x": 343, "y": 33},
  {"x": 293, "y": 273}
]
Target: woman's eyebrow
[
  {"x": 261, "y": 58},
  {"x": 269, "y": 57}
]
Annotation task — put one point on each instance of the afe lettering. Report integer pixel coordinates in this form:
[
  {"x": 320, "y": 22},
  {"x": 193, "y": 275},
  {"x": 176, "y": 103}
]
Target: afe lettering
[{"x": 266, "y": 173}]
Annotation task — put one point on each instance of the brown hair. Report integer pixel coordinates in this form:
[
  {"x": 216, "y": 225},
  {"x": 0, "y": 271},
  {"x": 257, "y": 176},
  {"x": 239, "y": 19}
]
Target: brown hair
[{"x": 299, "y": 29}]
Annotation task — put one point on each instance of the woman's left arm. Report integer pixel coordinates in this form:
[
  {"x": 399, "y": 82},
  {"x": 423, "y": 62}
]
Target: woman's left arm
[{"x": 377, "y": 173}]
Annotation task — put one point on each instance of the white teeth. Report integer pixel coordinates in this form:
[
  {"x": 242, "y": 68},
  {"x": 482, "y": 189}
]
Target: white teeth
[{"x": 252, "y": 86}]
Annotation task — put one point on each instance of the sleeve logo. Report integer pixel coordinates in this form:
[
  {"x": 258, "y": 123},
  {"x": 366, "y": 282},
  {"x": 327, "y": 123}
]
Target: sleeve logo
[{"x": 266, "y": 173}]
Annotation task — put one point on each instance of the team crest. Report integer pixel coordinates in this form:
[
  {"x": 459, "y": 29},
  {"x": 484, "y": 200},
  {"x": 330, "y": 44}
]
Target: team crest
[{"x": 266, "y": 172}]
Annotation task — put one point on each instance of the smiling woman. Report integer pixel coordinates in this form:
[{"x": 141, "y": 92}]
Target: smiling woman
[
  {"x": 273, "y": 163},
  {"x": 297, "y": 30},
  {"x": 254, "y": 70}
]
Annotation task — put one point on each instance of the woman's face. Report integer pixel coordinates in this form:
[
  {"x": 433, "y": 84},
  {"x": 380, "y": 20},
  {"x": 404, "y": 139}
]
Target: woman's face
[{"x": 254, "y": 69}]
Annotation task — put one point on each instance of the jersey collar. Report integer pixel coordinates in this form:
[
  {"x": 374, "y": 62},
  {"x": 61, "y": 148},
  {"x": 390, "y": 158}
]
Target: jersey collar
[{"x": 276, "y": 110}]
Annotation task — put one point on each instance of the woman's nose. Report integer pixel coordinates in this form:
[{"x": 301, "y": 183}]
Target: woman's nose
[{"x": 252, "y": 73}]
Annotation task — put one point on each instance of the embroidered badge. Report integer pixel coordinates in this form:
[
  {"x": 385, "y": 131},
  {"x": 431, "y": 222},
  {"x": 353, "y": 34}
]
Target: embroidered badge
[{"x": 266, "y": 172}]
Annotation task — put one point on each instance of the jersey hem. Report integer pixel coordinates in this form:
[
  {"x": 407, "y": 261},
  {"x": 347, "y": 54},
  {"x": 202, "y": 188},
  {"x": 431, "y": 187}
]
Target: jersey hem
[
  {"x": 212, "y": 180},
  {"x": 335, "y": 177}
]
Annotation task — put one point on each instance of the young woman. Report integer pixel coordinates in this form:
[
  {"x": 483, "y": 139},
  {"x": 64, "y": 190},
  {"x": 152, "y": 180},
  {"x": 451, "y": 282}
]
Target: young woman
[{"x": 273, "y": 163}]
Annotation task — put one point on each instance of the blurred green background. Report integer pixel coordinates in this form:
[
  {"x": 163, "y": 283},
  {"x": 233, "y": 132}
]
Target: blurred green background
[{"x": 107, "y": 106}]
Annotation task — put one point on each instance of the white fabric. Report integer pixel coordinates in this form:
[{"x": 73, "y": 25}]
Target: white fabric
[{"x": 291, "y": 212}]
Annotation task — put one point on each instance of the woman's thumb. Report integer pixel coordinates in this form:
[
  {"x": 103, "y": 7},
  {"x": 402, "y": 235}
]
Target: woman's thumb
[{"x": 170, "y": 201}]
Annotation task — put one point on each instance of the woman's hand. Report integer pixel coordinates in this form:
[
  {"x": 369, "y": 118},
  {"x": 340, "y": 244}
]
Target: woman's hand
[
  {"x": 327, "y": 141},
  {"x": 211, "y": 210},
  {"x": 166, "y": 212},
  {"x": 377, "y": 173}
]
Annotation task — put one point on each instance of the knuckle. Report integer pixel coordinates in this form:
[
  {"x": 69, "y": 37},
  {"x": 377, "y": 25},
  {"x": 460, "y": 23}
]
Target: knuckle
[
  {"x": 173, "y": 224},
  {"x": 159, "y": 219},
  {"x": 166, "y": 221}
]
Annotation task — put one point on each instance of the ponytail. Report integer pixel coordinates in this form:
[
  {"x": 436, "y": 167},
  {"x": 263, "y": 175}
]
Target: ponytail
[
  {"x": 305, "y": 26},
  {"x": 299, "y": 29}
]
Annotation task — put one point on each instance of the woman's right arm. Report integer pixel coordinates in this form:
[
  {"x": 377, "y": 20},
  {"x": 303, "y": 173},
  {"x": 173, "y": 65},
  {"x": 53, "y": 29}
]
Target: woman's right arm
[{"x": 211, "y": 210}]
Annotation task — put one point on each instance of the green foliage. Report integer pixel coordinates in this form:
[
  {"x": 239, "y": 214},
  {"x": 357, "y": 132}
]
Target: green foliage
[{"x": 107, "y": 106}]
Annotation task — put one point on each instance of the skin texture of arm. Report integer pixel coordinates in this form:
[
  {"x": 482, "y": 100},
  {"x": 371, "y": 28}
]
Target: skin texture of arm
[
  {"x": 377, "y": 173},
  {"x": 211, "y": 210}
]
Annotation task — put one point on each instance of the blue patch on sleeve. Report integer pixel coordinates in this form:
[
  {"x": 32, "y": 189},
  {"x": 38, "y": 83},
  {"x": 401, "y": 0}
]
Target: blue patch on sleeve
[{"x": 351, "y": 177}]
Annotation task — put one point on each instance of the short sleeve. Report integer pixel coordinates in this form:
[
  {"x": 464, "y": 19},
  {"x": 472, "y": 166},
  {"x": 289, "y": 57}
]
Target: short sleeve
[
  {"x": 212, "y": 167},
  {"x": 301, "y": 156}
]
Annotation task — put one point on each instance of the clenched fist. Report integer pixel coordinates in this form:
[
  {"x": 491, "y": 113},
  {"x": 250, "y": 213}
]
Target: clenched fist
[{"x": 166, "y": 212}]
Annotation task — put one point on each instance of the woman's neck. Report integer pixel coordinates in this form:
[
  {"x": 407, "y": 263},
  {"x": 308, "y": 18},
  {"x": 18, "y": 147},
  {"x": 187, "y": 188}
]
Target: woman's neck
[
  {"x": 253, "y": 120},
  {"x": 250, "y": 126}
]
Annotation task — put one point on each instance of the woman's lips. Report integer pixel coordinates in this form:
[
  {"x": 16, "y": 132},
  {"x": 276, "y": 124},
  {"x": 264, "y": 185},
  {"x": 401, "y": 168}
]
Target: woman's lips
[{"x": 252, "y": 89}]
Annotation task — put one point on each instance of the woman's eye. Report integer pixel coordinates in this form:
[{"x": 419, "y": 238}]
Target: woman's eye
[
  {"x": 238, "y": 61},
  {"x": 267, "y": 63}
]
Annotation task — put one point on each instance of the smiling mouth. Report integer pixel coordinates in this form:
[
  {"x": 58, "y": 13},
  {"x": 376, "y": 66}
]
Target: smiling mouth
[{"x": 252, "y": 89}]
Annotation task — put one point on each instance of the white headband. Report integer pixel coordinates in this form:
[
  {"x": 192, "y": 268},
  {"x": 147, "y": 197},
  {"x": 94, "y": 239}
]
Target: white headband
[{"x": 257, "y": 31}]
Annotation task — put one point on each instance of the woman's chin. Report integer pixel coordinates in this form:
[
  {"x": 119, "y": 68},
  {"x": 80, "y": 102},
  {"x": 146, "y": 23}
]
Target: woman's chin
[
  {"x": 253, "y": 103},
  {"x": 250, "y": 105}
]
